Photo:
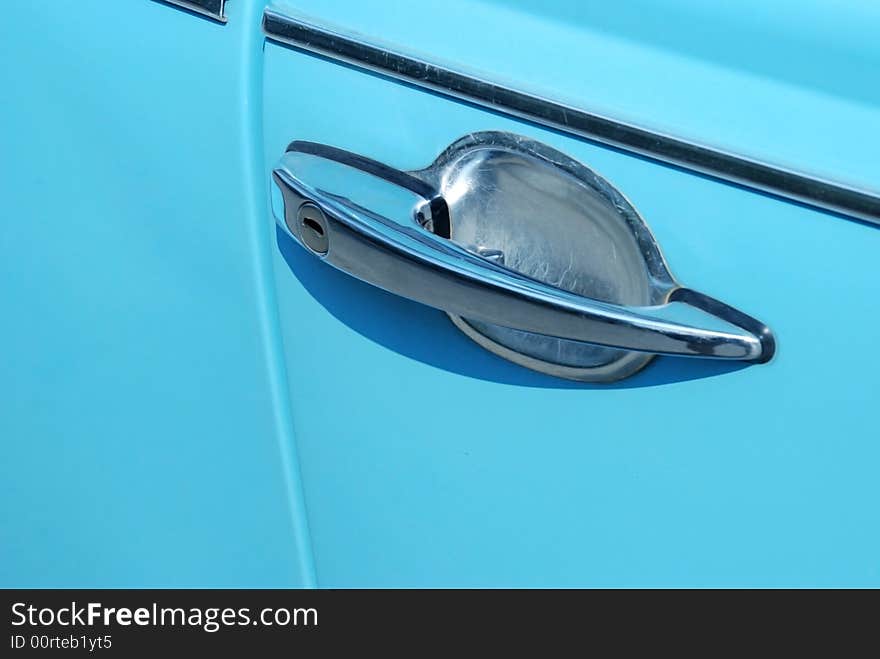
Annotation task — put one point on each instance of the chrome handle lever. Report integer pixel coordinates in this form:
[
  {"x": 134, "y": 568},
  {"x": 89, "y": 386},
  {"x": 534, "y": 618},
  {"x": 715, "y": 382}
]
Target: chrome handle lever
[{"x": 393, "y": 229}]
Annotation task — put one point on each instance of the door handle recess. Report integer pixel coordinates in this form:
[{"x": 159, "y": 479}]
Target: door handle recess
[{"x": 491, "y": 233}]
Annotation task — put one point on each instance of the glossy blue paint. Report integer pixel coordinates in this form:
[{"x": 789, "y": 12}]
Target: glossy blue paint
[
  {"x": 190, "y": 399},
  {"x": 789, "y": 81},
  {"x": 427, "y": 461},
  {"x": 144, "y": 425}
]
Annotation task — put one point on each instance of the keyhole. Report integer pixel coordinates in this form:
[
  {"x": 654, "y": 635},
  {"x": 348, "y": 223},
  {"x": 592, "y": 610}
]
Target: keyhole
[
  {"x": 313, "y": 229},
  {"x": 309, "y": 223}
]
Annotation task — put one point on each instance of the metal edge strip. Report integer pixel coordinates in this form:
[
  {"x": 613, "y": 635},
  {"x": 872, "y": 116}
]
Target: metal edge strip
[
  {"x": 214, "y": 9},
  {"x": 778, "y": 181}
]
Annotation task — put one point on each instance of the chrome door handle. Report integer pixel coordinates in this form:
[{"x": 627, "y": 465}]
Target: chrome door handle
[{"x": 395, "y": 230}]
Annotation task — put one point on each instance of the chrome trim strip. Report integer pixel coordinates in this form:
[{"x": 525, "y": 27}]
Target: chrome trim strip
[
  {"x": 728, "y": 167},
  {"x": 210, "y": 8}
]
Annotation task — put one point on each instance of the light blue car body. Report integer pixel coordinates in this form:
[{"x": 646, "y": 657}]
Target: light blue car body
[{"x": 189, "y": 399}]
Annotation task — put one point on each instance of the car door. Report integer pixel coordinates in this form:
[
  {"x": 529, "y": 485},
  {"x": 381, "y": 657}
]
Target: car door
[
  {"x": 195, "y": 395},
  {"x": 428, "y": 461}
]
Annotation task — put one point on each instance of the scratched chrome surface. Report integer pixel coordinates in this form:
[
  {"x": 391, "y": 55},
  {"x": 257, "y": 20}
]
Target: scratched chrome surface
[{"x": 554, "y": 219}]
